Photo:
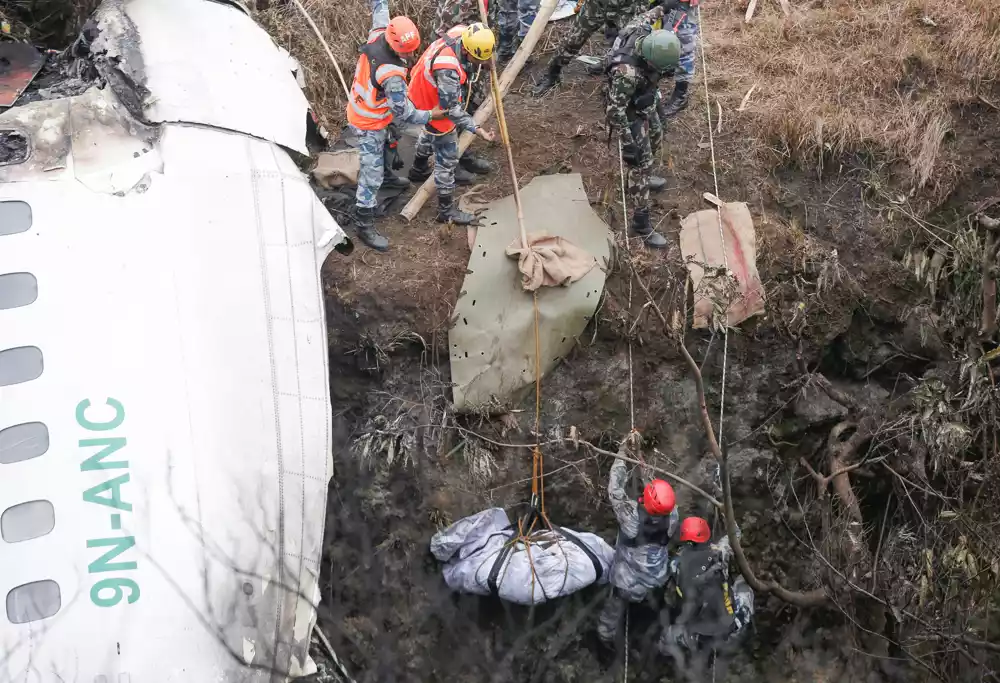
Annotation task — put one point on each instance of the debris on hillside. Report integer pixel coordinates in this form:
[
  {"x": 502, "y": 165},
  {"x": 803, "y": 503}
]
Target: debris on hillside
[{"x": 19, "y": 64}]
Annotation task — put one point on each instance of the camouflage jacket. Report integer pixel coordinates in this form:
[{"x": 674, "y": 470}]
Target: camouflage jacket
[
  {"x": 631, "y": 89},
  {"x": 636, "y": 568},
  {"x": 454, "y": 96}
]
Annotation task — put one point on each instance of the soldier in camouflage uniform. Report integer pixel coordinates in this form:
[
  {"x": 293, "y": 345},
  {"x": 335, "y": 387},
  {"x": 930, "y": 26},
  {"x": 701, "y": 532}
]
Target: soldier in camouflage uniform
[
  {"x": 640, "y": 58},
  {"x": 645, "y": 527},
  {"x": 437, "y": 81},
  {"x": 379, "y": 97},
  {"x": 595, "y": 15},
  {"x": 464, "y": 12}
]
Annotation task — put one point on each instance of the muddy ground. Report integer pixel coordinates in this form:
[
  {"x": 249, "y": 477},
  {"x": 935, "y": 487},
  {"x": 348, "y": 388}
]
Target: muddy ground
[{"x": 839, "y": 300}]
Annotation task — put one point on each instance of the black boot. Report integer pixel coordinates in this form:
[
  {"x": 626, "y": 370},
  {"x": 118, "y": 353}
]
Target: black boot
[
  {"x": 656, "y": 183},
  {"x": 365, "y": 218},
  {"x": 551, "y": 76},
  {"x": 449, "y": 213},
  {"x": 391, "y": 181},
  {"x": 421, "y": 169},
  {"x": 463, "y": 177},
  {"x": 642, "y": 227},
  {"x": 678, "y": 101},
  {"x": 473, "y": 163}
]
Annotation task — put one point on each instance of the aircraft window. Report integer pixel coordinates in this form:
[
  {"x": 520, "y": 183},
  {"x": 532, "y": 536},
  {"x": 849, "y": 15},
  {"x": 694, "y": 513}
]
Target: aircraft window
[
  {"x": 26, "y": 521},
  {"x": 17, "y": 289},
  {"x": 33, "y": 602},
  {"x": 20, "y": 364},
  {"x": 15, "y": 217},
  {"x": 23, "y": 442}
]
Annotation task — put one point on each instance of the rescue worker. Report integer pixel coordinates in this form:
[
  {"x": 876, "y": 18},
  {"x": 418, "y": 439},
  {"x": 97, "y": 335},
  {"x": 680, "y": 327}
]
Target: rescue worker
[
  {"x": 451, "y": 13},
  {"x": 708, "y": 613},
  {"x": 378, "y": 96},
  {"x": 437, "y": 80},
  {"x": 595, "y": 14},
  {"x": 639, "y": 59},
  {"x": 645, "y": 527}
]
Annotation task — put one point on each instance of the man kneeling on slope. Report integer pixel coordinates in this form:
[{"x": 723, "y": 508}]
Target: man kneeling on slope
[
  {"x": 645, "y": 526},
  {"x": 706, "y": 611},
  {"x": 437, "y": 81},
  {"x": 378, "y": 95}
]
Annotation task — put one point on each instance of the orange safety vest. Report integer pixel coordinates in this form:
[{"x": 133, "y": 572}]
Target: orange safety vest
[
  {"x": 442, "y": 54},
  {"x": 368, "y": 108}
]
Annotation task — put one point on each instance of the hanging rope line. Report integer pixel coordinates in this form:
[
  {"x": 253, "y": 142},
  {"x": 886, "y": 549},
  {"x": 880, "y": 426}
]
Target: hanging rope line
[
  {"x": 718, "y": 211},
  {"x": 628, "y": 250}
]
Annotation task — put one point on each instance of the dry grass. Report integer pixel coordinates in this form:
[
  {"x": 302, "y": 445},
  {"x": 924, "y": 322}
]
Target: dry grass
[
  {"x": 345, "y": 25},
  {"x": 885, "y": 78},
  {"x": 53, "y": 23},
  {"x": 872, "y": 76}
]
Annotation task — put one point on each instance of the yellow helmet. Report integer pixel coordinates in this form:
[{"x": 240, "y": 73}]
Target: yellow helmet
[{"x": 478, "y": 41}]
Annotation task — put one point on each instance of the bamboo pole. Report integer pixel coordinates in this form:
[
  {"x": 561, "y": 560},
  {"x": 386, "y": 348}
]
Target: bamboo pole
[
  {"x": 505, "y": 137},
  {"x": 329, "y": 52},
  {"x": 545, "y": 10}
]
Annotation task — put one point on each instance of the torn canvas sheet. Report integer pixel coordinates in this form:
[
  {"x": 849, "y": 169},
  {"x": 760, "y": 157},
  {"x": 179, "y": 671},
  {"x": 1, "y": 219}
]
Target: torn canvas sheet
[
  {"x": 549, "y": 261},
  {"x": 482, "y": 558},
  {"x": 492, "y": 341},
  {"x": 701, "y": 246},
  {"x": 334, "y": 169}
]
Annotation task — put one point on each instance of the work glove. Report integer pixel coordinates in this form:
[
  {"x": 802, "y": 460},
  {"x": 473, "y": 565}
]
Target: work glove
[{"x": 397, "y": 161}]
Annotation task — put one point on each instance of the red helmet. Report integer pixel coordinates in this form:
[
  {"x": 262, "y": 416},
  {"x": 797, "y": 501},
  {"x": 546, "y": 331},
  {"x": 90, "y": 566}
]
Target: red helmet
[
  {"x": 695, "y": 530},
  {"x": 658, "y": 497},
  {"x": 402, "y": 35}
]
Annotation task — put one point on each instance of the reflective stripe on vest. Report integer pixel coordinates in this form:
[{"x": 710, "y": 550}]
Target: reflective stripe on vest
[
  {"x": 440, "y": 55},
  {"x": 369, "y": 108}
]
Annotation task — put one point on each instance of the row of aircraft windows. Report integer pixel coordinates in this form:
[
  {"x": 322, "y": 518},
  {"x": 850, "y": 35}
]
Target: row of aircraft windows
[{"x": 32, "y": 519}]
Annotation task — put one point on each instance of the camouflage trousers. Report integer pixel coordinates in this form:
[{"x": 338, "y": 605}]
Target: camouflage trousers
[
  {"x": 609, "y": 621},
  {"x": 454, "y": 12},
  {"x": 445, "y": 150},
  {"x": 687, "y": 33},
  {"x": 514, "y": 20},
  {"x": 647, "y": 131},
  {"x": 594, "y": 15},
  {"x": 372, "y": 148}
]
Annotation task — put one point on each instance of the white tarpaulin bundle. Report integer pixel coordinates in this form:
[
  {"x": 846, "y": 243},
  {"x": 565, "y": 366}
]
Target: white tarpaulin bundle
[
  {"x": 482, "y": 557},
  {"x": 165, "y": 438}
]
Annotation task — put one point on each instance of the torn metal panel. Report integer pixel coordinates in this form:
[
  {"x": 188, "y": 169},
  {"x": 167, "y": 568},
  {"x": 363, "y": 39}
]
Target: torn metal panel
[
  {"x": 701, "y": 245},
  {"x": 492, "y": 343},
  {"x": 186, "y": 259},
  {"x": 209, "y": 63},
  {"x": 19, "y": 64}
]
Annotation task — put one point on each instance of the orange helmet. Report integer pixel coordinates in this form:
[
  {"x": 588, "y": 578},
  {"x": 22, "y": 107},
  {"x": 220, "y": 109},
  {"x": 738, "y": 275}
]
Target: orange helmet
[
  {"x": 695, "y": 530},
  {"x": 402, "y": 35},
  {"x": 658, "y": 497}
]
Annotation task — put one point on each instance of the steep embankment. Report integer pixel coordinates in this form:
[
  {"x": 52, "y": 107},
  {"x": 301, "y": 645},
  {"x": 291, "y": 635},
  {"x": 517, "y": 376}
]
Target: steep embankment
[{"x": 863, "y": 136}]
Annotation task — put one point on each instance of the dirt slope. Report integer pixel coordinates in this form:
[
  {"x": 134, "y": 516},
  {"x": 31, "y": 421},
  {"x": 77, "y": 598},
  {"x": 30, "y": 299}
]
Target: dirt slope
[{"x": 870, "y": 133}]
